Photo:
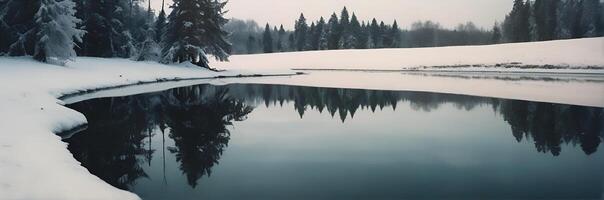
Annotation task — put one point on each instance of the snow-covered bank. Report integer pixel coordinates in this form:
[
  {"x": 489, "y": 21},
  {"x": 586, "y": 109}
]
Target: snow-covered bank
[
  {"x": 34, "y": 162},
  {"x": 572, "y": 53}
]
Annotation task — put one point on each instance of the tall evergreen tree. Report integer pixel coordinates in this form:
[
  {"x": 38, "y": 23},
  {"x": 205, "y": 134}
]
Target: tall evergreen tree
[
  {"x": 395, "y": 34},
  {"x": 356, "y": 34},
  {"x": 540, "y": 13},
  {"x": 524, "y": 24},
  {"x": 333, "y": 34},
  {"x": 591, "y": 19},
  {"x": 149, "y": 49},
  {"x": 280, "y": 36},
  {"x": 376, "y": 35},
  {"x": 55, "y": 23},
  {"x": 517, "y": 24},
  {"x": 18, "y": 15},
  {"x": 343, "y": 30},
  {"x": 195, "y": 29},
  {"x": 312, "y": 43},
  {"x": 267, "y": 39},
  {"x": 496, "y": 37},
  {"x": 319, "y": 35},
  {"x": 301, "y": 33},
  {"x": 577, "y": 29},
  {"x": 160, "y": 24},
  {"x": 251, "y": 44}
]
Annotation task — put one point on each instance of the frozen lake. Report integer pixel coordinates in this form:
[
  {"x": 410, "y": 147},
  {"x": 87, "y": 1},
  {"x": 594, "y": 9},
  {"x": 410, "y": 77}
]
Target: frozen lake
[{"x": 255, "y": 141}]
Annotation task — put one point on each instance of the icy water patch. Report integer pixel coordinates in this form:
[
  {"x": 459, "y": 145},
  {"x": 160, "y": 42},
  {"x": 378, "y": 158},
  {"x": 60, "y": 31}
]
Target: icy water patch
[{"x": 252, "y": 141}]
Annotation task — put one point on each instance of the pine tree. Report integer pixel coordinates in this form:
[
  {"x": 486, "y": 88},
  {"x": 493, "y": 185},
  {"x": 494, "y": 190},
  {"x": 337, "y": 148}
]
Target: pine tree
[
  {"x": 592, "y": 17},
  {"x": 251, "y": 44},
  {"x": 281, "y": 35},
  {"x": 313, "y": 39},
  {"x": 55, "y": 23},
  {"x": 355, "y": 33},
  {"x": 577, "y": 28},
  {"x": 149, "y": 49},
  {"x": 267, "y": 40},
  {"x": 301, "y": 33},
  {"x": 344, "y": 31},
  {"x": 333, "y": 34},
  {"x": 194, "y": 30},
  {"x": 524, "y": 25},
  {"x": 496, "y": 37},
  {"x": 540, "y": 12},
  {"x": 516, "y": 24},
  {"x": 395, "y": 34},
  {"x": 19, "y": 18},
  {"x": 121, "y": 38},
  {"x": 291, "y": 42},
  {"x": 363, "y": 37},
  {"x": 160, "y": 24},
  {"x": 552, "y": 20},
  {"x": 319, "y": 35},
  {"x": 375, "y": 33},
  {"x": 323, "y": 40}
]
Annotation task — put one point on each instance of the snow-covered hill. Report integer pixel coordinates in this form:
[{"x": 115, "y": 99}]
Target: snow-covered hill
[{"x": 572, "y": 53}]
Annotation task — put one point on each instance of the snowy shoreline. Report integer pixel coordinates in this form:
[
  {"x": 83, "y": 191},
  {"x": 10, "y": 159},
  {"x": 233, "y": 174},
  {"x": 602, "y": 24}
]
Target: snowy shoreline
[{"x": 32, "y": 96}]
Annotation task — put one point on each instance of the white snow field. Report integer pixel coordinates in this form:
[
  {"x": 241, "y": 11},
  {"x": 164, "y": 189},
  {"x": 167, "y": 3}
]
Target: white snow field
[
  {"x": 574, "y": 53},
  {"x": 35, "y": 163}
]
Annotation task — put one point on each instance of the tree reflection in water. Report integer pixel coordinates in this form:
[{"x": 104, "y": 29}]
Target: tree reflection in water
[{"x": 197, "y": 118}]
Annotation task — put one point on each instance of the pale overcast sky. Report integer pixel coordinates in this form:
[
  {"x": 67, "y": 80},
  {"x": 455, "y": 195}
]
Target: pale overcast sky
[{"x": 448, "y": 13}]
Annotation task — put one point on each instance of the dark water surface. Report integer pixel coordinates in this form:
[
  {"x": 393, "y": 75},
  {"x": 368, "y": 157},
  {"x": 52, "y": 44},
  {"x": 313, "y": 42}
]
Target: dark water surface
[{"x": 286, "y": 142}]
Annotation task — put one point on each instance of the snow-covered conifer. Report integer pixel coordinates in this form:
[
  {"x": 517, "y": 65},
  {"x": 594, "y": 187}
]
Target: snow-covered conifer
[
  {"x": 56, "y": 31},
  {"x": 194, "y": 30}
]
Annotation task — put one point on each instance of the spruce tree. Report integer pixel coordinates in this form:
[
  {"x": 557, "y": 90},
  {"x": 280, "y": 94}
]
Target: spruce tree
[
  {"x": 55, "y": 23},
  {"x": 540, "y": 13},
  {"x": 19, "y": 18},
  {"x": 552, "y": 20},
  {"x": 577, "y": 27},
  {"x": 301, "y": 33},
  {"x": 395, "y": 34},
  {"x": 524, "y": 25},
  {"x": 312, "y": 43},
  {"x": 121, "y": 38},
  {"x": 251, "y": 44},
  {"x": 333, "y": 34},
  {"x": 375, "y": 34},
  {"x": 355, "y": 34},
  {"x": 291, "y": 42},
  {"x": 323, "y": 39},
  {"x": 149, "y": 49},
  {"x": 267, "y": 39},
  {"x": 160, "y": 24},
  {"x": 319, "y": 35},
  {"x": 496, "y": 37},
  {"x": 343, "y": 30},
  {"x": 194, "y": 30},
  {"x": 281, "y": 35}
]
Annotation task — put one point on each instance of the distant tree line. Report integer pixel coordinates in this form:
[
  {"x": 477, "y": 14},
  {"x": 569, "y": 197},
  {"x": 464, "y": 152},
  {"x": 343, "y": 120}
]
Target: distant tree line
[
  {"x": 58, "y": 30},
  {"x": 542, "y": 20},
  {"x": 537, "y": 20}
]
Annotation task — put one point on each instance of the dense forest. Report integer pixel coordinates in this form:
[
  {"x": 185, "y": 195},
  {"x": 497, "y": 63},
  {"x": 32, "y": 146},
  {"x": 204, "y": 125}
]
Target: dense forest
[
  {"x": 56, "y": 31},
  {"x": 537, "y": 20}
]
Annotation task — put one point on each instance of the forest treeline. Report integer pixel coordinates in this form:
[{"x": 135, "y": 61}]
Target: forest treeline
[
  {"x": 55, "y": 31},
  {"x": 533, "y": 20}
]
